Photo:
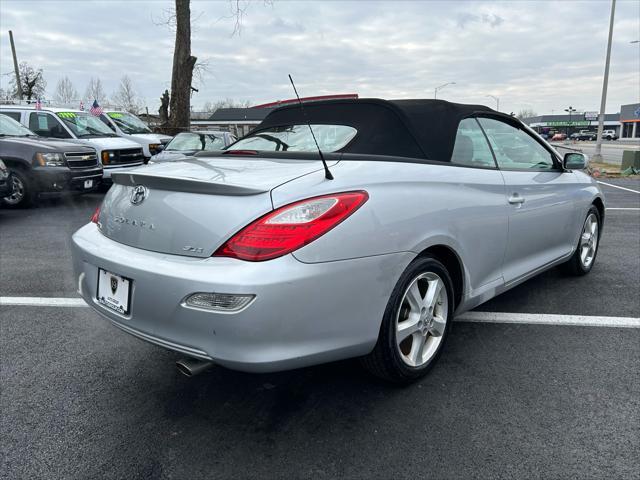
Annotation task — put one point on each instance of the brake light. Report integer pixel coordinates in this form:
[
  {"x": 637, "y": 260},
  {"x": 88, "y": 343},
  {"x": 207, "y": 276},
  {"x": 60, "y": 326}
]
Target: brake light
[
  {"x": 95, "y": 218},
  {"x": 290, "y": 227},
  {"x": 240, "y": 152}
]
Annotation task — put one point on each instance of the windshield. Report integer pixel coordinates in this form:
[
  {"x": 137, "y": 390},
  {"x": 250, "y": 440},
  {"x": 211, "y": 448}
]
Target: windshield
[
  {"x": 85, "y": 125},
  {"x": 9, "y": 127},
  {"x": 196, "y": 141},
  {"x": 128, "y": 123},
  {"x": 297, "y": 138}
]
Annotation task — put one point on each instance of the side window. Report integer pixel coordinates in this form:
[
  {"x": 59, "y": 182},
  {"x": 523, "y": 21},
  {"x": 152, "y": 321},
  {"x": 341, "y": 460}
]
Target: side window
[
  {"x": 471, "y": 147},
  {"x": 46, "y": 125},
  {"x": 14, "y": 115},
  {"x": 515, "y": 149}
]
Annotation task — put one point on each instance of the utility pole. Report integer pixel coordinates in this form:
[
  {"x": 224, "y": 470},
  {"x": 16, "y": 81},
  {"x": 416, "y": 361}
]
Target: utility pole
[
  {"x": 497, "y": 101},
  {"x": 570, "y": 110},
  {"x": 597, "y": 156},
  {"x": 15, "y": 66}
]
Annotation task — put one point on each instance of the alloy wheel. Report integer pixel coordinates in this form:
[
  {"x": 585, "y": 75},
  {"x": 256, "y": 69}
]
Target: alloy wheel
[
  {"x": 422, "y": 319},
  {"x": 18, "y": 191},
  {"x": 589, "y": 240}
]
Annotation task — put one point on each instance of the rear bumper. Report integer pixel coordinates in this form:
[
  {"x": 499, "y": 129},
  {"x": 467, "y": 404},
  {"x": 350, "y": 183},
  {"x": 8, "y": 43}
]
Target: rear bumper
[
  {"x": 303, "y": 314},
  {"x": 66, "y": 180}
]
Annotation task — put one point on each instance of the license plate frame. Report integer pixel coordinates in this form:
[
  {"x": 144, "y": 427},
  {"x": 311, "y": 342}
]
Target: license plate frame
[
  {"x": 88, "y": 184},
  {"x": 109, "y": 291}
]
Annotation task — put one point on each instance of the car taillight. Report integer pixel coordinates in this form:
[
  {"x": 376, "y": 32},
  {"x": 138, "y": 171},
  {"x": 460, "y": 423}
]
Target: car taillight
[
  {"x": 95, "y": 218},
  {"x": 291, "y": 227}
]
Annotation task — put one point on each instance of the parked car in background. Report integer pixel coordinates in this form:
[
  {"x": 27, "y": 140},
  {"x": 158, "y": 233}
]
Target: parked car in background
[
  {"x": 583, "y": 135},
  {"x": 39, "y": 165},
  {"x": 189, "y": 143},
  {"x": 6, "y": 186},
  {"x": 558, "y": 137},
  {"x": 609, "y": 135},
  {"x": 77, "y": 126},
  {"x": 127, "y": 125},
  {"x": 263, "y": 257}
]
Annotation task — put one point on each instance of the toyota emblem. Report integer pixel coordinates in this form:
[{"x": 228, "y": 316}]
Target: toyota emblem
[{"x": 138, "y": 194}]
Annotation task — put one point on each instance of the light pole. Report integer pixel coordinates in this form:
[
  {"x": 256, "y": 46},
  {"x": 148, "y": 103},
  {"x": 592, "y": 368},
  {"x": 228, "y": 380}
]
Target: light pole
[
  {"x": 497, "y": 101},
  {"x": 570, "y": 110},
  {"x": 597, "y": 156},
  {"x": 435, "y": 90}
]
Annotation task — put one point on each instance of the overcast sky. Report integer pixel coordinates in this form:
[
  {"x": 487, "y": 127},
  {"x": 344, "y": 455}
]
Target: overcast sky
[{"x": 542, "y": 55}]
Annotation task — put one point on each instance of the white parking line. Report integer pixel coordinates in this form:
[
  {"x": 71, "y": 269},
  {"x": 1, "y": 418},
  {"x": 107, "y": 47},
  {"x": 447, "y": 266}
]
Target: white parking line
[
  {"x": 479, "y": 317},
  {"x": 623, "y": 208},
  {"x": 549, "y": 319},
  {"x": 617, "y": 186},
  {"x": 43, "y": 302}
]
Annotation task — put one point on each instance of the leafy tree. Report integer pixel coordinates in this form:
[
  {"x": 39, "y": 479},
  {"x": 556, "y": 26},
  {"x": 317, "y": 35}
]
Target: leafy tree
[
  {"x": 65, "y": 91},
  {"x": 126, "y": 97},
  {"x": 32, "y": 80}
]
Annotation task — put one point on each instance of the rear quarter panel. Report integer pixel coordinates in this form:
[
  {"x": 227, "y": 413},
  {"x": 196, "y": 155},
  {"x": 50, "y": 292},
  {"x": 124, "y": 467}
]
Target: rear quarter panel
[{"x": 410, "y": 208}]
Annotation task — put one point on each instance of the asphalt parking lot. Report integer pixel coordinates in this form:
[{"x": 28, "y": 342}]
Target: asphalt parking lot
[{"x": 80, "y": 399}]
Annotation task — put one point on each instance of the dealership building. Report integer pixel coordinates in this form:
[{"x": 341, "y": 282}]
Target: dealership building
[
  {"x": 630, "y": 121},
  {"x": 625, "y": 123}
]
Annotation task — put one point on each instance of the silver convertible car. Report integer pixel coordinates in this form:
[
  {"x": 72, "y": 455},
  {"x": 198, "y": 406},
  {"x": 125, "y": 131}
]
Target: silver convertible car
[{"x": 337, "y": 229}]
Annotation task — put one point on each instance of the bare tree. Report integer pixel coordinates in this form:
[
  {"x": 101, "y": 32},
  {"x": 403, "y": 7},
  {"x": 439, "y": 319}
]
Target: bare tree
[
  {"x": 163, "y": 111},
  {"x": 126, "y": 97},
  {"x": 182, "y": 74},
  {"x": 95, "y": 91},
  {"x": 32, "y": 81},
  {"x": 226, "y": 103},
  {"x": 526, "y": 113},
  {"x": 65, "y": 91}
]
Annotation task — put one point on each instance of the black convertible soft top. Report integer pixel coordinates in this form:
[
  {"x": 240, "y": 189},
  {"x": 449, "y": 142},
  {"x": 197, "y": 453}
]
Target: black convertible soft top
[{"x": 404, "y": 128}]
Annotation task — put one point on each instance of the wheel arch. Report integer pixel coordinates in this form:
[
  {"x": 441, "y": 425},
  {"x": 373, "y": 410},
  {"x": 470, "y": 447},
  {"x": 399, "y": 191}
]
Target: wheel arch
[
  {"x": 14, "y": 162},
  {"x": 599, "y": 204},
  {"x": 451, "y": 260}
]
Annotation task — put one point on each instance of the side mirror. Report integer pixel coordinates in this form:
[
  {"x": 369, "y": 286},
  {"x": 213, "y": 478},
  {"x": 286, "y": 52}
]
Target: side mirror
[{"x": 575, "y": 161}]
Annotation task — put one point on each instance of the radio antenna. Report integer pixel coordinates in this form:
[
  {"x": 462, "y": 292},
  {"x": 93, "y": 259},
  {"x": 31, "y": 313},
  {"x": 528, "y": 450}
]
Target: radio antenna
[{"x": 327, "y": 173}]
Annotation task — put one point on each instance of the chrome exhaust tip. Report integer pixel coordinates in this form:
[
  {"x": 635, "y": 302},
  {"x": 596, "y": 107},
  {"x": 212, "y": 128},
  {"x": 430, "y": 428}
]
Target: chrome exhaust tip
[{"x": 193, "y": 366}]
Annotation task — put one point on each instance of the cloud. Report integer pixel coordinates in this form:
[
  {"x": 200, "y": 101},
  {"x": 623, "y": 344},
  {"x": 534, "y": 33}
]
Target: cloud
[
  {"x": 526, "y": 55},
  {"x": 487, "y": 18}
]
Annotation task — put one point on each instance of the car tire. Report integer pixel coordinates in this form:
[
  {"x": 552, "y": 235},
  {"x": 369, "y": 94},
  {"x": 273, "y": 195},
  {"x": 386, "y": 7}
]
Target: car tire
[
  {"x": 23, "y": 192},
  {"x": 582, "y": 260},
  {"x": 428, "y": 317}
]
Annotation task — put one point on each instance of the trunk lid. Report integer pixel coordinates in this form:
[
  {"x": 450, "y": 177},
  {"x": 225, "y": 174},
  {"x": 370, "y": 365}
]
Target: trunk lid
[{"x": 191, "y": 207}]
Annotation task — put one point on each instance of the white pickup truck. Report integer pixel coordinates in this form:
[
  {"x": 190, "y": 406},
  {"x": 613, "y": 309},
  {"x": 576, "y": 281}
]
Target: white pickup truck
[
  {"x": 77, "y": 126},
  {"x": 127, "y": 125}
]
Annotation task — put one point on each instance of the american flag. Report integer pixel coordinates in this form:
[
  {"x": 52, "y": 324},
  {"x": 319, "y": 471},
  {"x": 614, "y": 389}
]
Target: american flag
[
  {"x": 96, "y": 110},
  {"x": 81, "y": 105},
  {"x": 38, "y": 104}
]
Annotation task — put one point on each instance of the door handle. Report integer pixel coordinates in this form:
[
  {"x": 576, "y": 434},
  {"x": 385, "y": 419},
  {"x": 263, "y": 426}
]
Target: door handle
[{"x": 516, "y": 199}]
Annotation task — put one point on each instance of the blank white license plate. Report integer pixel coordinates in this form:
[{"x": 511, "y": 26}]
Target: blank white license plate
[
  {"x": 88, "y": 183},
  {"x": 114, "y": 291}
]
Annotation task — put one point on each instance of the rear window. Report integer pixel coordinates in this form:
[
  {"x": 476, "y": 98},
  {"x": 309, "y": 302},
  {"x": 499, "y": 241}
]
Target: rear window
[
  {"x": 14, "y": 115},
  {"x": 297, "y": 138},
  {"x": 196, "y": 141}
]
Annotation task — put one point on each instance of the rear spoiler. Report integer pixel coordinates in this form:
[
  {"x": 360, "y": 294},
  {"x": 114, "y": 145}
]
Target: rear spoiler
[{"x": 182, "y": 184}]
